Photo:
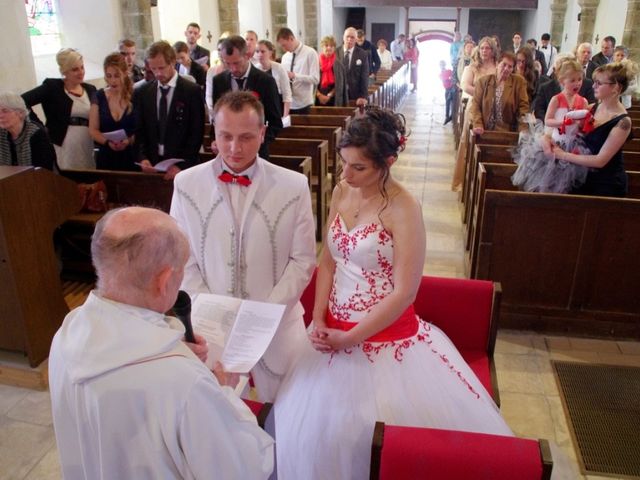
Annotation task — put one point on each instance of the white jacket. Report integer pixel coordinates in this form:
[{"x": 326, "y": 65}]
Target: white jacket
[
  {"x": 130, "y": 400},
  {"x": 270, "y": 258}
]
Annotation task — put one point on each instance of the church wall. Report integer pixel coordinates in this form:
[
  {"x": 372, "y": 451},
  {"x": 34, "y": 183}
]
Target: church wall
[
  {"x": 339, "y": 20},
  {"x": 175, "y": 16},
  {"x": 610, "y": 20},
  {"x": 325, "y": 19},
  {"x": 384, "y": 15},
  {"x": 17, "y": 72},
  {"x": 537, "y": 22},
  {"x": 255, "y": 15},
  {"x": 83, "y": 26},
  {"x": 571, "y": 27}
]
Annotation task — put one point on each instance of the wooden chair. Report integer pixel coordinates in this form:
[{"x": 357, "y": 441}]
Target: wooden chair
[{"x": 403, "y": 453}]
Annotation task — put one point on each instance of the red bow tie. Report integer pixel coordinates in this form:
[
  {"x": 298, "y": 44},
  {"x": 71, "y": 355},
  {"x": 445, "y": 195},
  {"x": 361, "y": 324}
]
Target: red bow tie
[{"x": 228, "y": 177}]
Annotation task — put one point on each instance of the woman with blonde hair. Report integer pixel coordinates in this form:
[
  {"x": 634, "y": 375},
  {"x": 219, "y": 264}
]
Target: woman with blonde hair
[
  {"x": 484, "y": 60},
  {"x": 332, "y": 88},
  {"x": 66, "y": 104},
  {"x": 111, "y": 111},
  {"x": 611, "y": 127}
]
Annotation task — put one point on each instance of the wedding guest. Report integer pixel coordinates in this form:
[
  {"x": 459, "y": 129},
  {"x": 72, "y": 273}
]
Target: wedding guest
[
  {"x": 66, "y": 104},
  {"x": 332, "y": 89},
  {"x": 265, "y": 61},
  {"x": 22, "y": 141},
  {"x": 111, "y": 111},
  {"x": 385, "y": 55}
]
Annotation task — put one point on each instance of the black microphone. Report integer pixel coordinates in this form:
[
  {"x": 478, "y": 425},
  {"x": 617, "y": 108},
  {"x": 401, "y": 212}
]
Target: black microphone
[{"x": 182, "y": 310}]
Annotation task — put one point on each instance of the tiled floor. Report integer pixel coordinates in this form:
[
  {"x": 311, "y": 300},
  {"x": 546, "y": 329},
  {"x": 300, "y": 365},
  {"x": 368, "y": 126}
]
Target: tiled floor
[{"x": 529, "y": 395}]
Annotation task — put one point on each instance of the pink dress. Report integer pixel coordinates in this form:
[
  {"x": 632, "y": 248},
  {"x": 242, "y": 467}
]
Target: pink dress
[{"x": 408, "y": 374}]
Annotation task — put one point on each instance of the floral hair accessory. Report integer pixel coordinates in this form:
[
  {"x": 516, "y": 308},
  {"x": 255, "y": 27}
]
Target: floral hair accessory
[{"x": 402, "y": 140}]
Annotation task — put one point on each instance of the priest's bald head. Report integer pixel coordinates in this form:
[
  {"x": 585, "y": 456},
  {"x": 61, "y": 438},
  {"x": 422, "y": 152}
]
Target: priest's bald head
[{"x": 139, "y": 256}]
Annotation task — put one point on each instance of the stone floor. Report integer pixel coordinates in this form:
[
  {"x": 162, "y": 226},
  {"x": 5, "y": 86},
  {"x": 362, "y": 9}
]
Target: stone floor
[{"x": 529, "y": 395}]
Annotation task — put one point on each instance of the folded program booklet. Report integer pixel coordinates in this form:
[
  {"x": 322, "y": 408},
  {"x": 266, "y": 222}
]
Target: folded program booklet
[{"x": 237, "y": 331}]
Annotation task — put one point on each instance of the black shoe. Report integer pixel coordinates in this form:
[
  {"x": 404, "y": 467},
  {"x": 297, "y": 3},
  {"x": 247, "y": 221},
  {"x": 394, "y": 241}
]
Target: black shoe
[{"x": 447, "y": 120}]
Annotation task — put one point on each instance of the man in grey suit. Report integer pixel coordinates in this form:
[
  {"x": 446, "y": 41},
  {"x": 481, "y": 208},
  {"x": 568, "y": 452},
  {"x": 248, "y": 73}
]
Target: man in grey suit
[{"x": 356, "y": 62}]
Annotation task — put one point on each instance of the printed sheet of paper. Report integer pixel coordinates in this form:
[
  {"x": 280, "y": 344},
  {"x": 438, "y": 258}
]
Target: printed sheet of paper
[
  {"x": 238, "y": 332},
  {"x": 255, "y": 326},
  {"x": 115, "y": 136}
]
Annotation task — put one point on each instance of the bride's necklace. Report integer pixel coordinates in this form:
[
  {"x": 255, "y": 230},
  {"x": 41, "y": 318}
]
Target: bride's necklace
[{"x": 356, "y": 214}]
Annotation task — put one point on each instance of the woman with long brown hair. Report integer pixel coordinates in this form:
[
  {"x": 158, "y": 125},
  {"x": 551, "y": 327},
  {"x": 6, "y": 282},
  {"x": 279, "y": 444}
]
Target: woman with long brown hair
[
  {"x": 112, "y": 111},
  {"x": 484, "y": 60}
]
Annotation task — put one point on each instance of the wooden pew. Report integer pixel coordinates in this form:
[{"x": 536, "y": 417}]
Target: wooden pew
[
  {"x": 502, "y": 154},
  {"x": 320, "y": 120},
  {"x": 331, "y": 134},
  {"x": 347, "y": 111},
  {"x": 567, "y": 263},
  {"x": 318, "y": 151},
  {"x": 298, "y": 164},
  {"x": 123, "y": 188}
]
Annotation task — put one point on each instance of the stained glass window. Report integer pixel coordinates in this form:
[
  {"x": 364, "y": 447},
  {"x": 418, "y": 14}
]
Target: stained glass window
[{"x": 43, "y": 26}]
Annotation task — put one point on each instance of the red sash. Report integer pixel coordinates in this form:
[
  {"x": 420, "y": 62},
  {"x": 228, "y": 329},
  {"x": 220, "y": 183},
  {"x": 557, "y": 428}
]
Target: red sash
[{"x": 404, "y": 327}]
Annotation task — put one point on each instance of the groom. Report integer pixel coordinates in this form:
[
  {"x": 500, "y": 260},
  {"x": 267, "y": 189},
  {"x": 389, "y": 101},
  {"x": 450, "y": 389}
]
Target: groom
[{"x": 250, "y": 228}]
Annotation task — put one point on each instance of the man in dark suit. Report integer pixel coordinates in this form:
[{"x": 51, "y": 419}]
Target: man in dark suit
[
  {"x": 605, "y": 56},
  {"x": 186, "y": 66},
  {"x": 583, "y": 55},
  {"x": 198, "y": 54},
  {"x": 240, "y": 74},
  {"x": 549, "y": 86},
  {"x": 356, "y": 62},
  {"x": 170, "y": 114},
  {"x": 539, "y": 55},
  {"x": 366, "y": 45}
]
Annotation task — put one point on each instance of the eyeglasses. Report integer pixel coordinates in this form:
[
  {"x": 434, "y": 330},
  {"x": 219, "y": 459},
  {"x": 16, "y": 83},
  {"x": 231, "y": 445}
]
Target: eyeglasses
[{"x": 598, "y": 83}]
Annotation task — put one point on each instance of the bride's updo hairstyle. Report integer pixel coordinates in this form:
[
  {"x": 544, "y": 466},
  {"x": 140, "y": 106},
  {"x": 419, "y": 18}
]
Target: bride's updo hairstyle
[
  {"x": 620, "y": 72},
  {"x": 380, "y": 134}
]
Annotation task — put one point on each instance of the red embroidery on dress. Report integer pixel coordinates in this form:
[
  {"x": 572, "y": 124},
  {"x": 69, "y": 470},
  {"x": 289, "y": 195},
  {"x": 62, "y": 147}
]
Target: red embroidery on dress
[{"x": 372, "y": 350}]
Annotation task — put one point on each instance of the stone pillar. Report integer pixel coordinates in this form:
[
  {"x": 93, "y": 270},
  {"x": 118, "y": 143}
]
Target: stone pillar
[
  {"x": 278, "y": 17},
  {"x": 630, "y": 38},
  {"x": 558, "y": 11},
  {"x": 588, "y": 10},
  {"x": 311, "y": 23},
  {"x": 136, "y": 22},
  {"x": 229, "y": 20}
]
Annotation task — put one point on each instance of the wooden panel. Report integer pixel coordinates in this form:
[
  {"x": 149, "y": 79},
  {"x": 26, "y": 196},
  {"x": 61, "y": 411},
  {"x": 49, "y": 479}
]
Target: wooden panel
[{"x": 33, "y": 203}]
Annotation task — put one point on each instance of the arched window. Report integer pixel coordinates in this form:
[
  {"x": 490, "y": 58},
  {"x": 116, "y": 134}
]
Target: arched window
[{"x": 43, "y": 26}]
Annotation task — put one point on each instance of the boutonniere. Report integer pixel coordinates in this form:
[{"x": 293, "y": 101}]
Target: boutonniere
[
  {"x": 255, "y": 94},
  {"x": 358, "y": 62},
  {"x": 179, "y": 111}
]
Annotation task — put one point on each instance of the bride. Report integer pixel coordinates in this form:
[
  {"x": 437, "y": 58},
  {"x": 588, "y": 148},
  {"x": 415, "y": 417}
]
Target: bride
[{"x": 369, "y": 357}]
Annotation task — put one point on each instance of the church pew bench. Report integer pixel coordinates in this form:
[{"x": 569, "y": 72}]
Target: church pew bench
[
  {"x": 407, "y": 453},
  {"x": 567, "y": 263},
  {"x": 321, "y": 120},
  {"x": 332, "y": 135},
  {"x": 300, "y": 164},
  {"x": 502, "y": 154},
  {"x": 317, "y": 150},
  {"x": 347, "y": 111}
]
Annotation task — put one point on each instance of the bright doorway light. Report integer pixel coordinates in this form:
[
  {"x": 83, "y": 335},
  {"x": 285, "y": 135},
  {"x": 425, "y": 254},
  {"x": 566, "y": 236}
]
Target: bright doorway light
[{"x": 429, "y": 84}]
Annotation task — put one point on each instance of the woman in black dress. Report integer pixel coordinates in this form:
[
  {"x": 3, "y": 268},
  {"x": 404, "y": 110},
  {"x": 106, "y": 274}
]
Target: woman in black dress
[
  {"x": 111, "y": 111},
  {"x": 611, "y": 129}
]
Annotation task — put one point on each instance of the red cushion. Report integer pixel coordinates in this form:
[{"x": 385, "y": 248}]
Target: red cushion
[
  {"x": 479, "y": 363},
  {"x": 255, "y": 407},
  {"x": 460, "y": 307},
  {"x": 410, "y": 453}
]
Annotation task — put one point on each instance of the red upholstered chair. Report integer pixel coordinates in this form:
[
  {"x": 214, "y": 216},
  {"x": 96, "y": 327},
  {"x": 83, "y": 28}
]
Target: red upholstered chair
[
  {"x": 260, "y": 410},
  {"x": 466, "y": 310},
  {"x": 408, "y": 453}
]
